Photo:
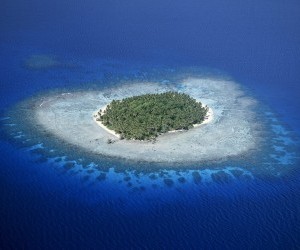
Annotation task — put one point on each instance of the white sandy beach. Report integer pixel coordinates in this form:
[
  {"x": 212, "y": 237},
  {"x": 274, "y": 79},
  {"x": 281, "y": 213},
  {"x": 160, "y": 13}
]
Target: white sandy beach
[
  {"x": 99, "y": 123},
  {"x": 229, "y": 130}
]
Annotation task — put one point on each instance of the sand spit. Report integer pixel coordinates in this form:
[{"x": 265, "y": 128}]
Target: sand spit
[{"x": 232, "y": 132}]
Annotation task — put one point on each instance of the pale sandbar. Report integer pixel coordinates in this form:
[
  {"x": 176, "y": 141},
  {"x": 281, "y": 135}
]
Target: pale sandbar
[{"x": 231, "y": 130}]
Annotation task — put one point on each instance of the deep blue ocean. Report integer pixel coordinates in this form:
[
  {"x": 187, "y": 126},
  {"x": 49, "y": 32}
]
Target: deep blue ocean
[{"x": 44, "y": 206}]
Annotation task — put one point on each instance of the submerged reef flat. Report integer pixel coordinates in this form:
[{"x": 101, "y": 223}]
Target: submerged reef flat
[
  {"x": 44, "y": 62},
  {"x": 240, "y": 133},
  {"x": 233, "y": 132}
]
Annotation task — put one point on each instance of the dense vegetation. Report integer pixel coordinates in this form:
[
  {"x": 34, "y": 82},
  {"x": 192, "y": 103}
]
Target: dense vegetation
[{"x": 145, "y": 117}]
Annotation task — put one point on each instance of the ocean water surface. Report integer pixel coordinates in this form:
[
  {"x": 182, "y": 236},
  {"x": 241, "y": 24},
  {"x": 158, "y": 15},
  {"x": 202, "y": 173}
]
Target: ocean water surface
[{"x": 54, "y": 196}]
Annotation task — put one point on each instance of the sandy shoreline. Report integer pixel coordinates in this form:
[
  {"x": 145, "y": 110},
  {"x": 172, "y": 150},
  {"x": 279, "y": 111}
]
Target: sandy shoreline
[{"x": 100, "y": 124}]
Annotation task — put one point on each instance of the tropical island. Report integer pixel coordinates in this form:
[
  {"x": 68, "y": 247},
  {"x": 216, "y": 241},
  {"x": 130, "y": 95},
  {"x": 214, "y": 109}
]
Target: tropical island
[
  {"x": 230, "y": 129},
  {"x": 145, "y": 117}
]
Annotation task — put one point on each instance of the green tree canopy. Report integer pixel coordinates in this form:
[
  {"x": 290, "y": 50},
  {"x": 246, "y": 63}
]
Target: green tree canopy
[{"x": 145, "y": 117}]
